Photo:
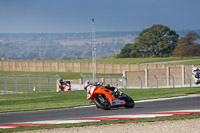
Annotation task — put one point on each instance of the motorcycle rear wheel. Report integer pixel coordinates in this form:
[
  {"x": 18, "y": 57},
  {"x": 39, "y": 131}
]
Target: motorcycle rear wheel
[{"x": 102, "y": 102}]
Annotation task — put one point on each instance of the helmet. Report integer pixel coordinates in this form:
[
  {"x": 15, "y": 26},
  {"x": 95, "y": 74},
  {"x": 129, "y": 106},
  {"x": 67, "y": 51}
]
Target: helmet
[
  {"x": 61, "y": 81},
  {"x": 194, "y": 68},
  {"x": 68, "y": 82},
  {"x": 86, "y": 84}
]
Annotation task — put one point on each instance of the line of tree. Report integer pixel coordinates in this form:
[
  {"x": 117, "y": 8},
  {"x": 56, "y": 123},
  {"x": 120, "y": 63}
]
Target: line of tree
[
  {"x": 187, "y": 46},
  {"x": 160, "y": 41}
]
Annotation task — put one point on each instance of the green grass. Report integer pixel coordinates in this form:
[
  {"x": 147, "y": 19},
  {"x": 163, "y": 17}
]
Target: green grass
[
  {"x": 132, "y": 60},
  {"x": 53, "y": 100},
  {"x": 63, "y": 75},
  {"x": 174, "y": 117},
  {"x": 37, "y": 101},
  {"x": 195, "y": 62}
]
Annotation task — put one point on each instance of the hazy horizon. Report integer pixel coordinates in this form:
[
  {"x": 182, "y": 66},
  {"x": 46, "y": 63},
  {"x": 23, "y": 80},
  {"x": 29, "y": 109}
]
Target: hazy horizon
[{"x": 74, "y": 16}]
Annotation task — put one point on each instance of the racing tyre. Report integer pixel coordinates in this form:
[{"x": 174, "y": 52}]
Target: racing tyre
[{"x": 102, "y": 102}]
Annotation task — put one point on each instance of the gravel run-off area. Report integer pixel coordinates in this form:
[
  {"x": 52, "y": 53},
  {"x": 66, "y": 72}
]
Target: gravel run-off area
[{"x": 175, "y": 126}]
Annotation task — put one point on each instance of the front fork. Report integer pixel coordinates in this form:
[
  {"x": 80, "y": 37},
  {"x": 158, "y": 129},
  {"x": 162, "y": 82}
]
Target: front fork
[{"x": 103, "y": 99}]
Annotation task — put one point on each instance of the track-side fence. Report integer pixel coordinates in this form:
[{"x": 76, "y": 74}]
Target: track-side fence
[
  {"x": 19, "y": 84},
  {"x": 26, "y": 84}
]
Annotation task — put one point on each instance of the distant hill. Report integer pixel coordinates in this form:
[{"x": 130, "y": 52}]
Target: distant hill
[{"x": 64, "y": 46}]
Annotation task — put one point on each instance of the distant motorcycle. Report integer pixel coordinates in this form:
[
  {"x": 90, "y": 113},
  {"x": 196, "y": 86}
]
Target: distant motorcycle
[
  {"x": 105, "y": 98},
  {"x": 196, "y": 74},
  {"x": 196, "y": 77},
  {"x": 65, "y": 86}
]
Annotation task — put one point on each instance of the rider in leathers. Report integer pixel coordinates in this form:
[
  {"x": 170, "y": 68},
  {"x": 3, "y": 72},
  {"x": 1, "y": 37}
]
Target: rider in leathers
[
  {"x": 196, "y": 74},
  {"x": 88, "y": 84}
]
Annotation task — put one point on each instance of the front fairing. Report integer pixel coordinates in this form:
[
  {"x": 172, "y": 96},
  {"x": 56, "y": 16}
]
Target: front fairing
[
  {"x": 102, "y": 90},
  {"x": 114, "y": 101}
]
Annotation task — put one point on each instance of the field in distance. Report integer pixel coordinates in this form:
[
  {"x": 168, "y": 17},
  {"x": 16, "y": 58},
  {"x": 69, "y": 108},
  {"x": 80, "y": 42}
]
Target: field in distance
[{"x": 131, "y": 60}]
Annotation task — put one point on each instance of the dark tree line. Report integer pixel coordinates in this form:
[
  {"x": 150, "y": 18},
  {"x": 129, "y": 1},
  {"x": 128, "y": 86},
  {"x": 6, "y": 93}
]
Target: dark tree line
[
  {"x": 156, "y": 41},
  {"x": 160, "y": 41},
  {"x": 187, "y": 46}
]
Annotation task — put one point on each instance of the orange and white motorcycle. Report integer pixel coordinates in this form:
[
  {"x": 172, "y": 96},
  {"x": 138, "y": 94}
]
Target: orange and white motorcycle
[
  {"x": 105, "y": 98},
  {"x": 66, "y": 86}
]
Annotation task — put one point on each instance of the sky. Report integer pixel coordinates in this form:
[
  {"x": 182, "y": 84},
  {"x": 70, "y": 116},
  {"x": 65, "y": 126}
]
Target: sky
[{"x": 75, "y": 16}]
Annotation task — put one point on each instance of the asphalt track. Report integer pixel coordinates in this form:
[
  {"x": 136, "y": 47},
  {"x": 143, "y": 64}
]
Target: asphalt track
[{"x": 146, "y": 106}]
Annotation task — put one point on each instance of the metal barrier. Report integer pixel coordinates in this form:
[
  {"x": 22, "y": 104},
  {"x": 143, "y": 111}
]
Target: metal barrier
[
  {"x": 141, "y": 81},
  {"x": 27, "y": 84},
  {"x": 173, "y": 80},
  {"x": 112, "y": 80},
  {"x": 19, "y": 84},
  {"x": 190, "y": 79},
  {"x": 157, "y": 82}
]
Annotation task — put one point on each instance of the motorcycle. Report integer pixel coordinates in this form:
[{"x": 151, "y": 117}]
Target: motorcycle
[
  {"x": 106, "y": 99},
  {"x": 196, "y": 77},
  {"x": 65, "y": 87}
]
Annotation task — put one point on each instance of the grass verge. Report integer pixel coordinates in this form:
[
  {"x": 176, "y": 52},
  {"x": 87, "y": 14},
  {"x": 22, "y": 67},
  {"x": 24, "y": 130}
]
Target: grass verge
[
  {"x": 63, "y": 75},
  {"x": 132, "y": 60},
  {"x": 195, "y": 62}
]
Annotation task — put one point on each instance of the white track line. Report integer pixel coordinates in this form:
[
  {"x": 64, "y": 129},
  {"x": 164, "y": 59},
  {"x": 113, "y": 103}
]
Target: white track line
[
  {"x": 171, "y": 98},
  {"x": 97, "y": 119}
]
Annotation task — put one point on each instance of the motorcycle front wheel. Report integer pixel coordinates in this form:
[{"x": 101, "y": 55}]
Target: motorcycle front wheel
[
  {"x": 101, "y": 101},
  {"x": 129, "y": 103}
]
